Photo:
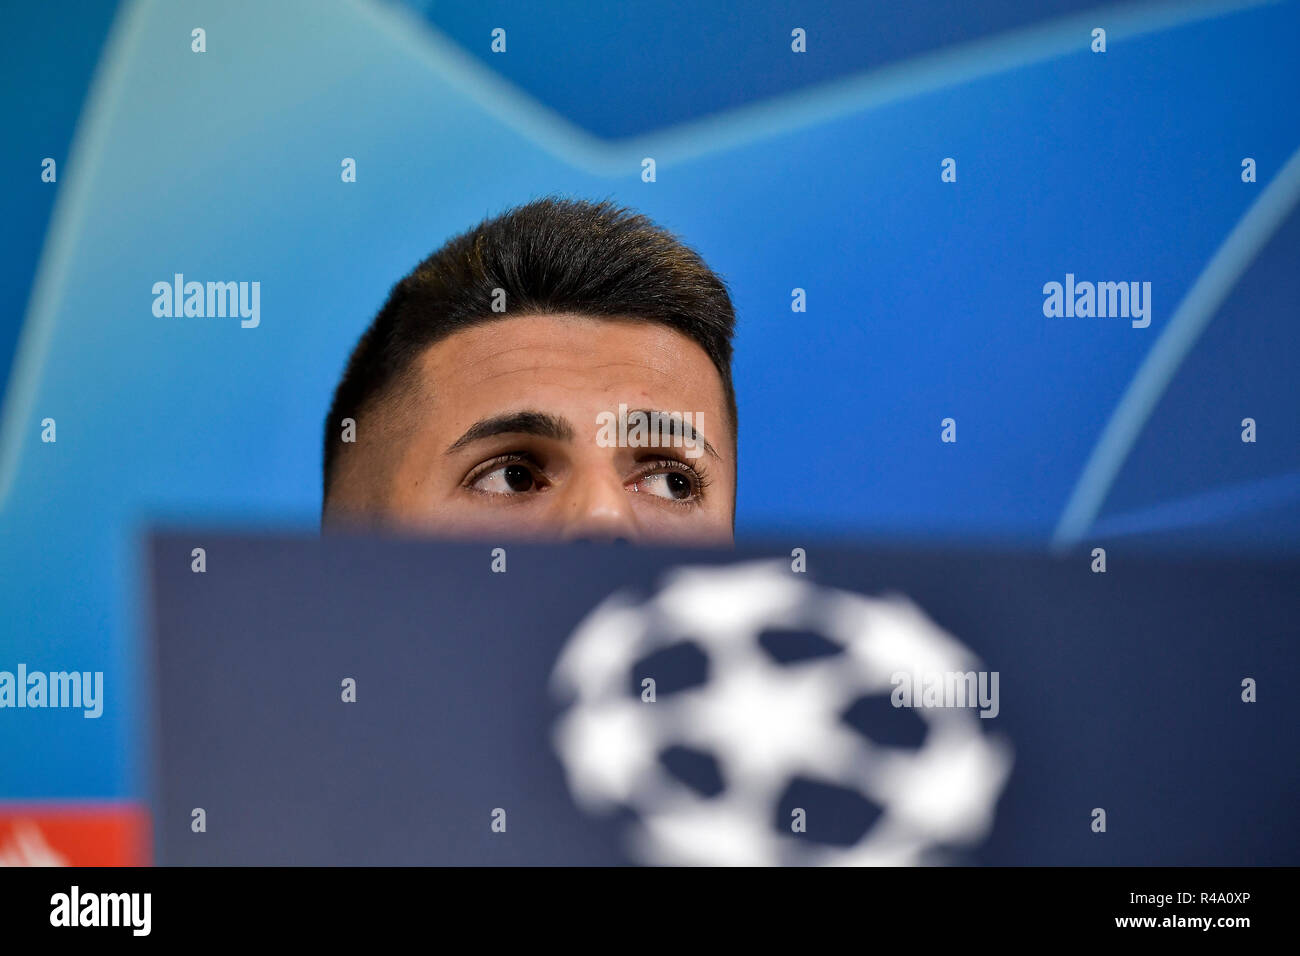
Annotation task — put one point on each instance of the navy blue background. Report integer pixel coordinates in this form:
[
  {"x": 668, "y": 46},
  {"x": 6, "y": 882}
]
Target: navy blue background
[{"x": 818, "y": 171}]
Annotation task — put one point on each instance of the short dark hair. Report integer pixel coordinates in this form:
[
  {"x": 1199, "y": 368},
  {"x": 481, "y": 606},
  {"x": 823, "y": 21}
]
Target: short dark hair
[{"x": 553, "y": 256}]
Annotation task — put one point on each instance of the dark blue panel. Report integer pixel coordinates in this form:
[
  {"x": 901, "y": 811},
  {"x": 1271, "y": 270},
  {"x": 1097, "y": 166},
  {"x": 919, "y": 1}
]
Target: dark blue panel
[{"x": 1118, "y": 690}]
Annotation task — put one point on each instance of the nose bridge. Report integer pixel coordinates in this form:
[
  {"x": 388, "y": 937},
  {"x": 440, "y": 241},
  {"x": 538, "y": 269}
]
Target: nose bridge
[{"x": 598, "y": 506}]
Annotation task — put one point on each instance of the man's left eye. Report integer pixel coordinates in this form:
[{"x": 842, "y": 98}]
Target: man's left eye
[{"x": 674, "y": 485}]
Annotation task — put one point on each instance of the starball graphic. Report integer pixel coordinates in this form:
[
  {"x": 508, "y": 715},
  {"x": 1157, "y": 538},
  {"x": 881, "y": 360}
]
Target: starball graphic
[{"x": 765, "y": 722}]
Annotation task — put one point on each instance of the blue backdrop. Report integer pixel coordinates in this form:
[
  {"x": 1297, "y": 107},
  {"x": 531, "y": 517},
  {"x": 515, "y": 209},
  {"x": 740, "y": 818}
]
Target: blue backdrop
[{"x": 818, "y": 171}]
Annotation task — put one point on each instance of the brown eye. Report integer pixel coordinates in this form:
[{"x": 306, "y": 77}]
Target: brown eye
[
  {"x": 674, "y": 485},
  {"x": 512, "y": 479},
  {"x": 678, "y": 486},
  {"x": 518, "y": 478}
]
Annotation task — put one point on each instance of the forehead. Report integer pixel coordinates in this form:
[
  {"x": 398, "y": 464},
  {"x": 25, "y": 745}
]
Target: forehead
[{"x": 585, "y": 363}]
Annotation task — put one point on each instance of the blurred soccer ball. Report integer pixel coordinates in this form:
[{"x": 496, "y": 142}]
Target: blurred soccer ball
[{"x": 766, "y": 722}]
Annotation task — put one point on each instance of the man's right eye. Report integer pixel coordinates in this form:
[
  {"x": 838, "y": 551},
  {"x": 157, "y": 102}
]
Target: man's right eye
[{"x": 513, "y": 478}]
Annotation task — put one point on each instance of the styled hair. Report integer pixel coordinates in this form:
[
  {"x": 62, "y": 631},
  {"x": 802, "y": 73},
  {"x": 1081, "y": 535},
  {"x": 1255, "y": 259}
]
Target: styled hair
[{"x": 551, "y": 256}]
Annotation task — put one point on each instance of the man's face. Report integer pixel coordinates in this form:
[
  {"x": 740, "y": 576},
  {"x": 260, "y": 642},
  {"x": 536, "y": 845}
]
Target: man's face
[{"x": 509, "y": 430}]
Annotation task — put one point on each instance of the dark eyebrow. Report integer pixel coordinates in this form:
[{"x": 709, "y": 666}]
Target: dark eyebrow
[
  {"x": 678, "y": 427},
  {"x": 517, "y": 423}
]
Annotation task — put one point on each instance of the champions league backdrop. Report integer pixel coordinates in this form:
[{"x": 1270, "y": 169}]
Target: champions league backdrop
[{"x": 1016, "y": 295}]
